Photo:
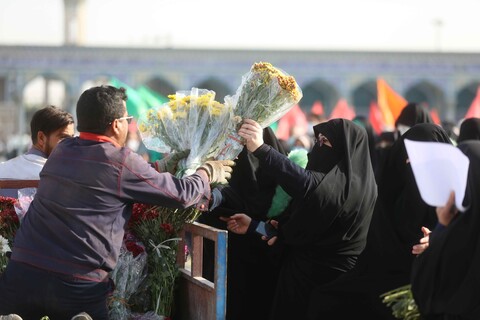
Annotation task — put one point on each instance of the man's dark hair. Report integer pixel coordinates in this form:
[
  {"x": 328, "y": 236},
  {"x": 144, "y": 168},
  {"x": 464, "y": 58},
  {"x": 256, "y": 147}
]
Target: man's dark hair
[
  {"x": 48, "y": 120},
  {"x": 98, "y": 107}
]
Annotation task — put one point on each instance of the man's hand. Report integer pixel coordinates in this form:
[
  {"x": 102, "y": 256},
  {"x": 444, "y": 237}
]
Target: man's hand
[
  {"x": 170, "y": 162},
  {"x": 218, "y": 171}
]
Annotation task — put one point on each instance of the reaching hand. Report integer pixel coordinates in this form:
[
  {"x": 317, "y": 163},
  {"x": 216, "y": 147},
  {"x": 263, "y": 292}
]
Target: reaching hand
[
  {"x": 423, "y": 244},
  {"x": 273, "y": 239},
  {"x": 238, "y": 223},
  {"x": 252, "y": 132}
]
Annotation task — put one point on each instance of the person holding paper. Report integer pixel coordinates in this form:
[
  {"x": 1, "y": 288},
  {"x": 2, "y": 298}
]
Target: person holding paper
[
  {"x": 386, "y": 262},
  {"x": 445, "y": 277}
]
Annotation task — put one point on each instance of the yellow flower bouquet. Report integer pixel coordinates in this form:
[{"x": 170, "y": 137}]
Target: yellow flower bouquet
[
  {"x": 265, "y": 95},
  {"x": 191, "y": 120}
]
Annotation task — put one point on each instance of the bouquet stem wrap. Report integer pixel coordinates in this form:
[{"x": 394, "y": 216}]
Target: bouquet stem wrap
[{"x": 127, "y": 275}]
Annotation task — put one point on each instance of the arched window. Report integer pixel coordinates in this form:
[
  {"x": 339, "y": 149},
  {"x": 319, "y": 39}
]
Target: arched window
[{"x": 322, "y": 91}]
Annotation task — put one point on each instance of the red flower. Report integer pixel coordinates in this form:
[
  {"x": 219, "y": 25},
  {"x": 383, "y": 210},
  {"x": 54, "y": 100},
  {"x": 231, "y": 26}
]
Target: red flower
[
  {"x": 133, "y": 244},
  {"x": 141, "y": 212},
  {"x": 168, "y": 228},
  {"x": 134, "y": 248},
  {"x": 9, "y": 221}
]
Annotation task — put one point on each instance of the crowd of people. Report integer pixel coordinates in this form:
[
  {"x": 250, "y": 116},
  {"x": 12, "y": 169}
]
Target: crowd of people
[
  {"x": 353, "y": 225},
  {"x": 314, "y": 234}
]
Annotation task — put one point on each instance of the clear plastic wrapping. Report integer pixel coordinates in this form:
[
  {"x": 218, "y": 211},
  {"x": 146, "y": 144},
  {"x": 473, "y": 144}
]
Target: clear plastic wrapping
[
  {"x": 127, "y": 276},
  {"x": 191, "y": 120},
  {"x": 265, "y": 95}
]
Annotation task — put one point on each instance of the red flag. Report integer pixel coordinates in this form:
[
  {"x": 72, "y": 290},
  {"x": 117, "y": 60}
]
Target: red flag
[
  {"x": 293, "y": 122},
  {"x": 474, "y": 109},
  {"x": 435, "y": 116},
  {"x": 342, "y": 110},
  {"x": 389, "y": 102},
  {"x": 375, "y": 117},
  {"x": 317, "y": 108}
]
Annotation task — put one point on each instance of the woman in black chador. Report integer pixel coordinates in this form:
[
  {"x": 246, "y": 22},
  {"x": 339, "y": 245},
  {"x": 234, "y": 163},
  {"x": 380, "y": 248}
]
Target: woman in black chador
[
  {"x": 324, "y": 229},
  {"x": 446, "y": 276},
  {"x": 386, "y": 262}
]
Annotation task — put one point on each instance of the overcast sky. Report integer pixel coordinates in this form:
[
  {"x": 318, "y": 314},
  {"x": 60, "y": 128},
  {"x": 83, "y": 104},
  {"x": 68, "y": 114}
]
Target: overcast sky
[{"x": 398, "y": 25}]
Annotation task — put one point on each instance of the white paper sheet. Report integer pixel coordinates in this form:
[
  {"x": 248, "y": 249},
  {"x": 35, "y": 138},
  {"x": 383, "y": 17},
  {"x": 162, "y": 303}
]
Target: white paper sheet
[{"x": 438, "y": 168}]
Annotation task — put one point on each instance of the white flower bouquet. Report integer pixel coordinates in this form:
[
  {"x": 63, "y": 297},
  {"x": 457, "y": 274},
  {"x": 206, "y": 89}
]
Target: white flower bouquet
[
  {"x": 4, "y": 248},
  {"x": 191, "y": 120}
]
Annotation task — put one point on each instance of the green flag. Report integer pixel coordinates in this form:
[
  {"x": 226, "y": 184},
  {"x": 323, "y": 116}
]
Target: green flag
[
  {"x": 136, "y": 105},
  {"x": 151, "y": 97}
]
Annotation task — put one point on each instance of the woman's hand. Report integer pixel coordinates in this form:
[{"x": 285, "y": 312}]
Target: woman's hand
[
  {"x": 448, "y": 212},
  {"x": 423, "y": 244},
  {"x": 237, "y": 223},
  {"x": 273, "y": 239},
  {"x": 252, "y": 132}
]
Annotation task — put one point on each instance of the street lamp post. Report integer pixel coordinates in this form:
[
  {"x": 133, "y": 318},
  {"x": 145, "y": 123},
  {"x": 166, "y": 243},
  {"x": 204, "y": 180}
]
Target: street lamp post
[{"x": 438, "y": 24}]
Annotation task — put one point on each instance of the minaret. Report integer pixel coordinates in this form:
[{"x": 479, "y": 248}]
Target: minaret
[{"x": 74, "y": 23}]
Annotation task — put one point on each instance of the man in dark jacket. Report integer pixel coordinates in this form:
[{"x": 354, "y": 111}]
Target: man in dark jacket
[{"x": 71, "y": 236}]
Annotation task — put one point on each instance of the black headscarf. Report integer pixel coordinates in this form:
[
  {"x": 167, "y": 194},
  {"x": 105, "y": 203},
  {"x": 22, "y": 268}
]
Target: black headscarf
[
  {"x": 324, "y": 158},
  {"x": 446, "y": 276},
  {"x": 469, "y": 130},
  {"x": 372, "y": 137},
  {"x": 412, "y": 114},
  {"x": 337, "y": 212}
]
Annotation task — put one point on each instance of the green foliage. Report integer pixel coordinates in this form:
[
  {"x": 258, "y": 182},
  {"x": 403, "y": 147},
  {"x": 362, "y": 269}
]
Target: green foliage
[
  {"x": 281, "y": 198},
  {"x": 402, "y": 303},
  {"x": 158, "y": 229}
]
